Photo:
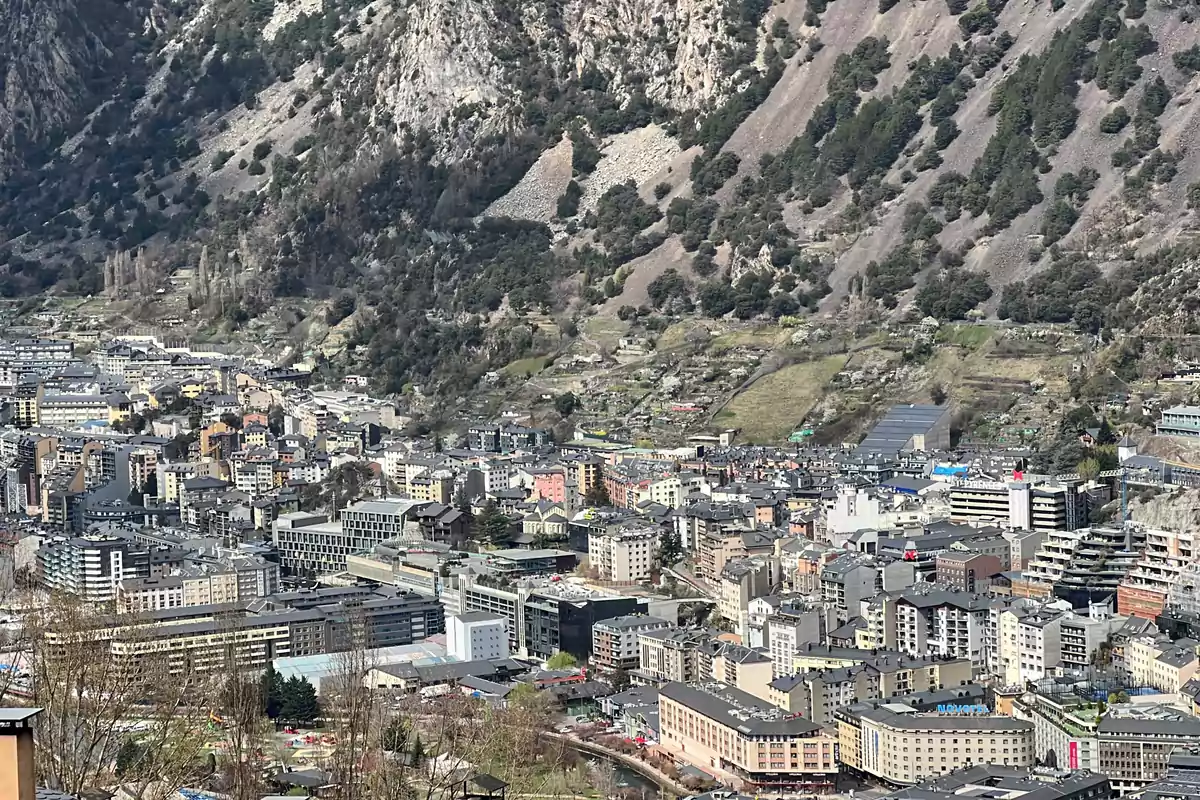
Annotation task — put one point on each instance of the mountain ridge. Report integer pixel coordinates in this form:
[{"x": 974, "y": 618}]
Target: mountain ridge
[{"x": 372, "y": 160}]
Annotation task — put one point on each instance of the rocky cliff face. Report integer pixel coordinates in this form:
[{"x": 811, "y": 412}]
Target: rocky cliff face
[
  {"x": 462, "y": 66},
  {"x": 680, "y": 49},
  {"x": 56, "y": 58}
]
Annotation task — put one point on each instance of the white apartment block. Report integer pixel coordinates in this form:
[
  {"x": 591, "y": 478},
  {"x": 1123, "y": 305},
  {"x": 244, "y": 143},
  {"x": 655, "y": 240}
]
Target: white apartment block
[
  {"x": 937, "y": 622},
  {"x": 625, "y": 555},
  {"x": 90, "y": 567},
  {"x": 1024, "y": 641},
  {"x": 254, "y": 476},
  {"x": 150, "y": 594},
  {"x": 477, "y": 636},
  {"x": 497, "y": 475},
  {"x": 671, "y": 491}
]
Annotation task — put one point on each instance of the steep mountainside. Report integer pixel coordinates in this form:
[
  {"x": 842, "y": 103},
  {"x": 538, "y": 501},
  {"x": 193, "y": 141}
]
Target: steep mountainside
[
  {"x": 58, "y": 58},
  {"x": 434, "y": 170}
]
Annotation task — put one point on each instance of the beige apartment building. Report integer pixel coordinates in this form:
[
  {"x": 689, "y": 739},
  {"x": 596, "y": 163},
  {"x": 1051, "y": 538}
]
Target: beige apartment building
[
  {"x": 203, "y": 643},
  {"x": 743, "y": 668},
  {"x": 897, "y": 744},
  {"x": 1154, "y": 660},
  {"x": 753, "y": 744},
  {"x": 670, "y": 654},
  {"x": 817, "y": 694},
  {"x": 623, "y": 555}
]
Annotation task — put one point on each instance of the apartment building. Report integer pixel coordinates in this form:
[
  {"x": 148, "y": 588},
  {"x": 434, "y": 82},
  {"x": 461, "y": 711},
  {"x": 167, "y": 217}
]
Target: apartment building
[
  {"x": 435, "y": 488},
  {"x": 717, "y": 549},
  {"x": 1023, "y": 639},
  {"x": 253, "y": 472},
  {"x": 1156, "y": 660},
  {"x": 137, "y": 595},
  {"x": 624, "y": 555},
  {"x": 743, "y": 580},
  {"x": 1080, "y": 639},
  {"x": 848, "y": 580},
  {"x": 91, "y": 567},
  {"x": 71, "y": 409},
  {"x": 1135, "y": 747},
  {"x": 743, "y": 668},
  {"x": 1020, "y": 505},
  {"x": 900, "y": 745},
  {"x": 940, "y": 622},
  {"x": 1143, "y": 591},
  {"x": 1085, "y": 565},
  {"x": 792, "y": 625},
  {"x": 818, "y": 693},
  {"x": 1181, "y": 421},
  {"x": 615, "y": 641},
  {"x": 212, "y": 637},
  {"x": 967, "y": 571},
  {"x": 671, "y": 654},
  {"x": 477, "y": 636},
  {"x": 703, "y": 528},
  {"x": 230, "y": 578},
  {"x": 754, "y": 745}
]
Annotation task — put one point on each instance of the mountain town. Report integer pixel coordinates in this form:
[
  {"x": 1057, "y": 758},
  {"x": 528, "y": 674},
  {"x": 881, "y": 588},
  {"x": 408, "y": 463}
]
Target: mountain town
[
  {"x": 599, "y": 399},
  {"x": 225, "y": 578}
]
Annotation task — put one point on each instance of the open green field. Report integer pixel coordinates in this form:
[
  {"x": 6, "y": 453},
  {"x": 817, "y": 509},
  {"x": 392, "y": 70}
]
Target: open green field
[
  {"x": 604, "y": 330},
  {"x": 775, "y": 404},
  {"x": 526, "y": 366},
  {"x": 971, "y": 336}
]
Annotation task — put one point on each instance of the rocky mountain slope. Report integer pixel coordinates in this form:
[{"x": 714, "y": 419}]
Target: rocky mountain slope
[{"x": 430, "y": 171}]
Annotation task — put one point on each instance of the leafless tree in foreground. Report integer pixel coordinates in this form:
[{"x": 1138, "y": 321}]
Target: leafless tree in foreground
[
  {"x": 240, "y": 709},
  {"x": 116, "y": 712},
  {"x": 407, "y": 747}
]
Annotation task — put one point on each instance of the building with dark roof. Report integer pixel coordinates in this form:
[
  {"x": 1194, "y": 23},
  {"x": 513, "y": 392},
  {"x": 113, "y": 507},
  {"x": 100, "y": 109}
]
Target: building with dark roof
[
  {"x": 751, "y": 743},
  {"x": 994, "y": 781},
  {"x": 1181, "y": 781},
  {"x": 1136, "y": 745},
  {"x": 615, "y": 641},
  {"x": 910, "y": 427},
  {"x": 896, "y": 743}
]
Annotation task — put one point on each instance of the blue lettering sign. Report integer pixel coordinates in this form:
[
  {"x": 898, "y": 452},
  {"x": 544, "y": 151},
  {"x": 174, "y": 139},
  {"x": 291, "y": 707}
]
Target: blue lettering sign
[{"x": 952, "y": 708}]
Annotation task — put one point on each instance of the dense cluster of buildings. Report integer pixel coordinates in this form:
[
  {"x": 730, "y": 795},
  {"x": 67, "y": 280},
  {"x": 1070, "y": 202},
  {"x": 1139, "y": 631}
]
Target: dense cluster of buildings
[{"x": 773, "y": 617}]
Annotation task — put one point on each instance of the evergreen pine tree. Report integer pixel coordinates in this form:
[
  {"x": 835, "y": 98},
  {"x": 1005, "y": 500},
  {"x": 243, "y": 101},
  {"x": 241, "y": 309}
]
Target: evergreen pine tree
[
  {"x": 670, "y": 548},
  {"x": 395, "y": 736},
  {"x": 128, "y": 756},
  {"x": 492, "y": 524},
  {"x": 299, "y": 701},
  {"x": 272, "y": 692},
  {"x": 597, "y": 496}
]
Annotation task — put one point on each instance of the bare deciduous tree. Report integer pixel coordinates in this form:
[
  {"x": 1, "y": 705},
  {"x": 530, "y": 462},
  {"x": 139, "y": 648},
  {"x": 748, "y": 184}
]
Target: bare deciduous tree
[
  {"x": 98, "y": 698},
  {"x": 241, "y": 711}
]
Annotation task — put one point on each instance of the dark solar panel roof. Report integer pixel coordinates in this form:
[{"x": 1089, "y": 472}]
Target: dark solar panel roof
[{"x": 901, "y": 423}]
